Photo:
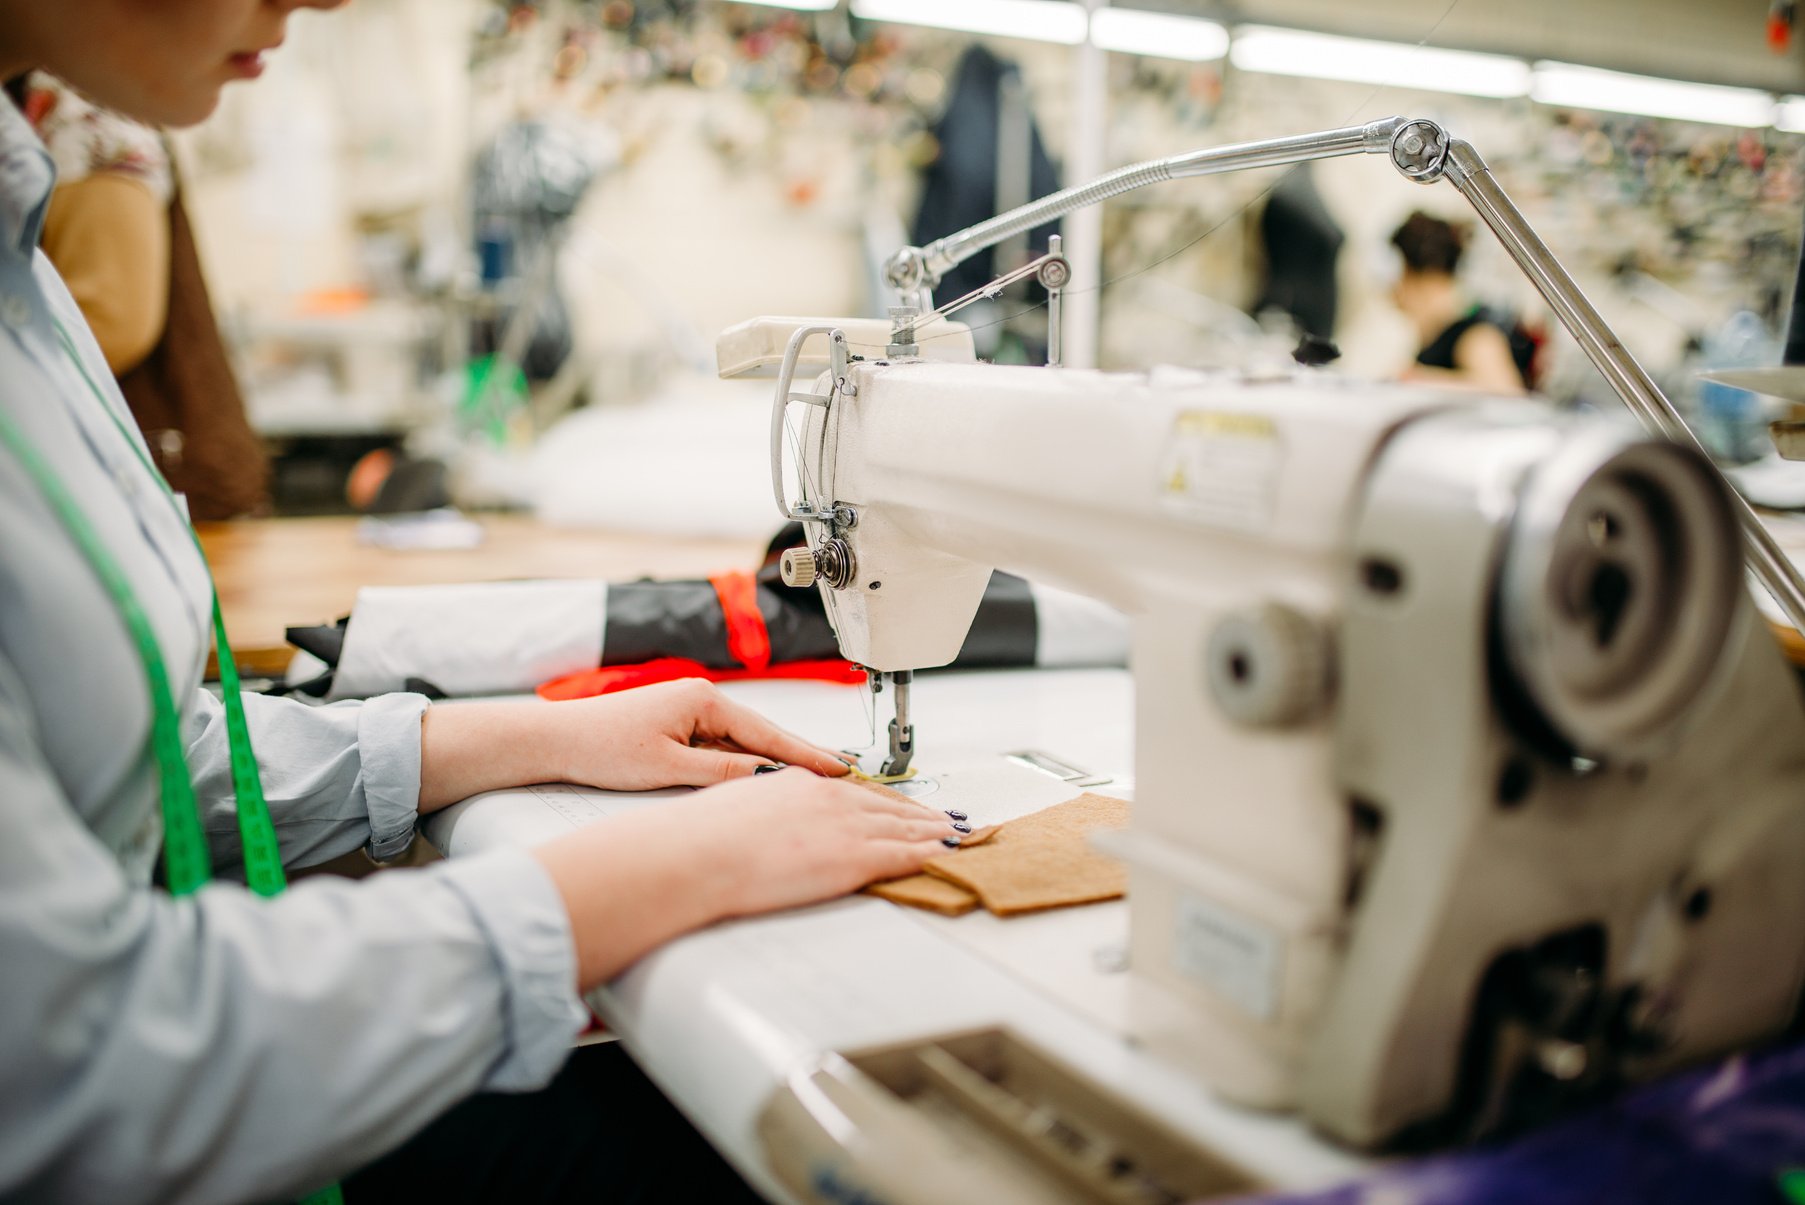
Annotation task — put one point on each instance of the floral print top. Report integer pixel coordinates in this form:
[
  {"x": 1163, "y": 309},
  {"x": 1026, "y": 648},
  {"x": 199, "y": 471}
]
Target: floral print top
[{"x": 84, "y": 138}]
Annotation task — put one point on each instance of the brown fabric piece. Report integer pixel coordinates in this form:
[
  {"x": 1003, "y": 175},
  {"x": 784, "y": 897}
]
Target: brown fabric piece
[
  {"x": 1043, "y": 860},
  {"x": 926, "y": 892},
  {"x": 186, "y": 400},
  {"x": 930, "y": 893}
]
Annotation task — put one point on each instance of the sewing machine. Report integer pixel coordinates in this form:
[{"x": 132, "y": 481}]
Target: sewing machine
[
  {"x": 1460, "y": 759},
  {"x": 1466, "y": 781}
]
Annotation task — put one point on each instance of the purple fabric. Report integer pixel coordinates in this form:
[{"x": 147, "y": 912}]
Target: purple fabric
[{"x": 1723, "y": 1135}]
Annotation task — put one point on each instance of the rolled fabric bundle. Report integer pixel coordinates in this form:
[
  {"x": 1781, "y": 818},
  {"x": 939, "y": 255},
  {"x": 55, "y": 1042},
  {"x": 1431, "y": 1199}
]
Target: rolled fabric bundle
[
  {"x": 476, "y": 638},
  {"x": 512, "y": 637}
]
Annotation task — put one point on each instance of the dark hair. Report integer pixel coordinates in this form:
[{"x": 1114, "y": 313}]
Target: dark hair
[
  {"x": 15, "y": 89},
  {"x": 1429, "y": 244}
]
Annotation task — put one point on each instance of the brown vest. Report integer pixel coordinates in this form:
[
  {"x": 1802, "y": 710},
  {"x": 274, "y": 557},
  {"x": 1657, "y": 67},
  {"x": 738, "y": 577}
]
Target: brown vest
[{"x": 186, "y": 398}]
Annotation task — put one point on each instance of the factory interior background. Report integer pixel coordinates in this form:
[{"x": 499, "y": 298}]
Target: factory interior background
[
  {"x": 641, "y": 174},
  {"x": 1431, "y": 843}
]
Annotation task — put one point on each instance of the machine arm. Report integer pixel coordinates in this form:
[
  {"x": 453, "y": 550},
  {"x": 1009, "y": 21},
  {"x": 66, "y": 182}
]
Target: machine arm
[{"x": 1422, "y": 151}]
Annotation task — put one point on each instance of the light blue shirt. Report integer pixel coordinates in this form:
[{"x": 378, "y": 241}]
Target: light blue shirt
[{"x": 217, "y": 1047}]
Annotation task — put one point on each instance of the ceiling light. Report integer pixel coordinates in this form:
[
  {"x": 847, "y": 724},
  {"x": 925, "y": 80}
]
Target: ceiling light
[
  {"x": 1789, "y": 114},
  {"x": 1613, "y": 91},
  {"x": 1038, "y": 20},
  {"x": 1356, "y": 60},
  {"x": 1158, "y": 35}
]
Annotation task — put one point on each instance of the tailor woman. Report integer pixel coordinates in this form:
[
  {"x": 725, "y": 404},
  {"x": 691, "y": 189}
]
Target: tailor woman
[{"x": 161, "y": 1039}]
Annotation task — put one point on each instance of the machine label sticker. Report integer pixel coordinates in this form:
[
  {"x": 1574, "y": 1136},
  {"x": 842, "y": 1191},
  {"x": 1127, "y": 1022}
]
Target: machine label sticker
[
  {"x": 1229, "y": 954},
  {"x": 1222, "y": 469}
]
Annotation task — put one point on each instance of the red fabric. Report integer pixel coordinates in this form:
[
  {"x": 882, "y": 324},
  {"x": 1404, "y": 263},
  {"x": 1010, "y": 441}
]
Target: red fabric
[
  {"x": 748, "y": 640},
  {"x": 606, "y": 680}
]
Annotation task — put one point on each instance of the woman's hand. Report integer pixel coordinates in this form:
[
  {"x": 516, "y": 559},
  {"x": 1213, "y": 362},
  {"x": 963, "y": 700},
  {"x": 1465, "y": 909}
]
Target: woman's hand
[
  {"x": 754, "y": 844},
  {"x": 684, "y": 733},
  {"x": 635, "y": 881},
  {"x": 786, "y": 839}
]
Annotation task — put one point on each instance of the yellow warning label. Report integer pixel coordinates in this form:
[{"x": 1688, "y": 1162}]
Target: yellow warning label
[
  {"x": 1211, "y": 422},
  {"x": 1222, "y": 469}
]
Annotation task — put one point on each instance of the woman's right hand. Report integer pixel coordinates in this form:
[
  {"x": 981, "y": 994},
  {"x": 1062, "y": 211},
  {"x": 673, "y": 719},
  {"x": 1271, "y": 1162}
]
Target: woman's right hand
[
  {"x": 757, "y": 844},
  {"x": 794, "y": 837}
]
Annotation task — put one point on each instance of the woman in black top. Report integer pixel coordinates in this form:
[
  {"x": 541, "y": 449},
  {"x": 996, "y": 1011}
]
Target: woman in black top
[{"x": 1461, "y": 343}]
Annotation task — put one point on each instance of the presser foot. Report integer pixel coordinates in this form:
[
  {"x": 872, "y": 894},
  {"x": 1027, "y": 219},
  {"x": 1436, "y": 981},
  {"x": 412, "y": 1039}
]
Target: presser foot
[{"x": 895, "y": 765}]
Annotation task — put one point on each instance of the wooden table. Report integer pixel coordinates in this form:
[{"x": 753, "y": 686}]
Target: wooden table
[{"x": 274, "y": 574}]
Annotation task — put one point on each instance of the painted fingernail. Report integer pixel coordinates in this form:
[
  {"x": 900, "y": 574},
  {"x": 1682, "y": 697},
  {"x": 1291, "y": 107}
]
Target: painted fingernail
[
  {"x": 950, "y": 842},
  {"x": 961, "y": 828},
  {"x": 766, "y": 769},
  {"x": 957, "y": 815}
]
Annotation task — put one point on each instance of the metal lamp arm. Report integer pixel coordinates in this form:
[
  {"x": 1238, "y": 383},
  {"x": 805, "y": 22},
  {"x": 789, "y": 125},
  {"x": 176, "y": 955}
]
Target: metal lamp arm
[{"x": 914, "y": 269}]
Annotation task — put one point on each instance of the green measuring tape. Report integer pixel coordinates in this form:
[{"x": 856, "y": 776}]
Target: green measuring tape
[{"x": 186, "y": 863}]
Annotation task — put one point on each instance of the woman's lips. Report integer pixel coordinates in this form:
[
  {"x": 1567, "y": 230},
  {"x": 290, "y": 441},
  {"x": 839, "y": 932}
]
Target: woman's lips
[{"x": 248, "y": 65}]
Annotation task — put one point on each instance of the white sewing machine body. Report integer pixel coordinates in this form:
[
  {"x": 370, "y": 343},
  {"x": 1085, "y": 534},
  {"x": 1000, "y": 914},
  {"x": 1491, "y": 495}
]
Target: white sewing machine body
[
  {"x": 1463, "y": 772},
  {"x": 1371, "y": 882}
]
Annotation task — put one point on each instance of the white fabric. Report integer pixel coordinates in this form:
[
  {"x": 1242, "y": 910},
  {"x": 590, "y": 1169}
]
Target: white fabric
[
  {"x": 480, "y": 638},
  {"x": 1074, "y": 631}
]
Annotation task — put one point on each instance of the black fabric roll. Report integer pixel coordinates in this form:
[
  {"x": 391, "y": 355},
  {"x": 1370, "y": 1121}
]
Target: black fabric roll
[
  {"x": 327, "y": 642},
  {"x": 647, "y": 620},
  {"x": 1006, "y": 630}
]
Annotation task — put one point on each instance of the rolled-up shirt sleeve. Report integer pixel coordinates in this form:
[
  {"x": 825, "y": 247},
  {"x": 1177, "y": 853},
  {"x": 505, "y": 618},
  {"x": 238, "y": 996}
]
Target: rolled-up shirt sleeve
[
  {"x": 335, "y": 777},
  {"x": 224, "y": 1047}
]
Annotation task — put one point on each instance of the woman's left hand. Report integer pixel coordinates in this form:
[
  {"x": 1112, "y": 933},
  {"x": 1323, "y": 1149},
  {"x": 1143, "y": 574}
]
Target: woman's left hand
[{"x": 685, "y": 733}]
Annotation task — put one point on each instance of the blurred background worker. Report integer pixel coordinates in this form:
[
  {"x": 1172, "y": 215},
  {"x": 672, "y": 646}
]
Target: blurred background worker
[
  {"x": 1459, "y": 341},
  {"x": 118, "y": 233}
]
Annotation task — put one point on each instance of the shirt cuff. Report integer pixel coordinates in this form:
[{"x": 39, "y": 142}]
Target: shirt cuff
[
  {"x": 519, "y": 909},
  {"x": 388, "y": 746}
]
